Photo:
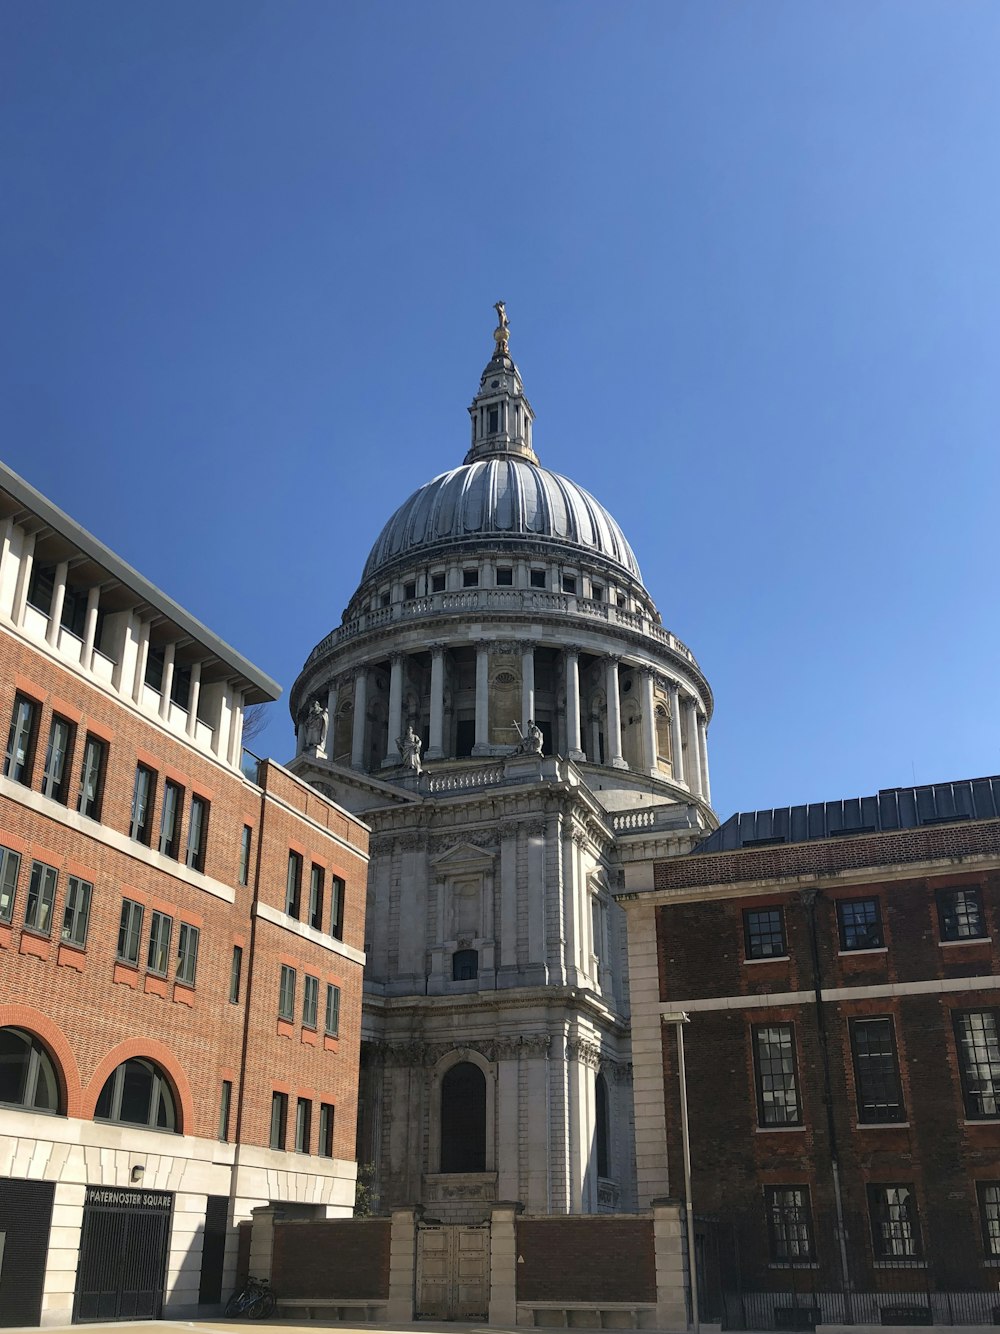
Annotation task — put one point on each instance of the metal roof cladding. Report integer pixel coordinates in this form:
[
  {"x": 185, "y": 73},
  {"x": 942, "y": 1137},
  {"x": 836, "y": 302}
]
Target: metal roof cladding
[
  {"x": 891, "y": 808},
  {"x": 502, "y": 497},
  {"x": 17, "y": 494}
]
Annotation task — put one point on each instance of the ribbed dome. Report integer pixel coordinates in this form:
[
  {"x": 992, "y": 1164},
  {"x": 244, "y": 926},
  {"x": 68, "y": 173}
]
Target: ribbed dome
[{"x": 500, "y": 497}]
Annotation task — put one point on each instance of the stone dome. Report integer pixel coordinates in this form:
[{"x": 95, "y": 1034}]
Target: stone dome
[{"x": 499, "y": 497}]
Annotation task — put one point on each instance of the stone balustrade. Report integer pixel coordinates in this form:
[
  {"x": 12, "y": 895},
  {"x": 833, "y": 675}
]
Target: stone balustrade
[
  {"x": 467, "y": 778},
  {"x": 517, "y": 600}
]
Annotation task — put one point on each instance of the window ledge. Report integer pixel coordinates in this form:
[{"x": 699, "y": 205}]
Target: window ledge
[
  {"x": 882, "y": 1125},
  {"x": 981, "y": 1121},
  {"x": 875, "y": 949},
  {"x": 771, "y": 958},
  {"x": 900, "y": 1263},
  {"x": 966, "y": 940},
  {"x": 779, "y": 1130}
]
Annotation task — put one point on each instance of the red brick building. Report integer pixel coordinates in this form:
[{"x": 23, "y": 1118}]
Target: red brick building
[
  {"x": 180, "y": 946},
  {"x": 840, "y": 971}
]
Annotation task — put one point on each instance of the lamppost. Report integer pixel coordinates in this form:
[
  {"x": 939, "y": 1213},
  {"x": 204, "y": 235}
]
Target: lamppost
[{"x": 678, "y": 1018}]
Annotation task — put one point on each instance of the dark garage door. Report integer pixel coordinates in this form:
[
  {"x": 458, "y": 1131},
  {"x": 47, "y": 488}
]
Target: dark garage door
[{"x": 25, "y": 1219}]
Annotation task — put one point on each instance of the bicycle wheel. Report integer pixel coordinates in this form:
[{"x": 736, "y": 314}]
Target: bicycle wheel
[
  {"x": 270, "y": 1302},
  {"x": 235, "y": 1304}
]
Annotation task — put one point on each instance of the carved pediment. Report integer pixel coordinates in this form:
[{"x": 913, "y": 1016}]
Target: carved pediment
[{"x": 463, "y": 856}]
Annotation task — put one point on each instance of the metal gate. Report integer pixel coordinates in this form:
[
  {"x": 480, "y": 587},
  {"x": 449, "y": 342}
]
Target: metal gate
[
  {"x": 453, "y": 1272},
  {"x": 25, "y": 1219},
  {"x": 123, "y": 1254}
]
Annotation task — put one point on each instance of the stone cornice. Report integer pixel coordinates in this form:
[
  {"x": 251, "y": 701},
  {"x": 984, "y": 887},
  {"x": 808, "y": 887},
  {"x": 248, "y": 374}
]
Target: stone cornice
[{"x": 430, "y": 1009}]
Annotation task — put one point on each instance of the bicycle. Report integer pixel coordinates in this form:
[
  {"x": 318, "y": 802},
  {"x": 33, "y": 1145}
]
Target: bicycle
[{"x": 255, "y": 1300}]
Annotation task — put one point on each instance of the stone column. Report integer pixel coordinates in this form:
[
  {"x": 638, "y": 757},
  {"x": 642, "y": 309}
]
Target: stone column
[
  {"x": 141, "y": 654},
  {"x": 527, "y": 683},
  {"x": 402, "y": 1265},
  {"x": 332, "y": 697},
  {"x": 676, "y": 741},
  {"x": 503, "y": 1264},
  {"x": 360, "y": 712},
  {"x": 693, "y": 758},
  {"x": 670, "y": 1252},
  {"x": 648, "y": 1093},
  {"x": 262, "y": 1239},
  {"x": 507, "y": 1137},
  {"x": 482, "y": 742},
  {"x": 595, "y": 739},
  {"x": 584, "y": 1057},
  {"x": 508, "y": 895},
  {"x": 613, "y": 735},
  {"x": 58, "y": 600},
  {"x": 648, "y": 719},
  {"x": 6, "y": 533},
  {"x": 23, "y": 578},
  {"x": 90, "y": 627},
  {"x": 573, "y": 740},
  {"x": 395, "y": 709},
  {"x": 236, "y": 729},
  {"x": 167, "y": 684},
  {"x": 435, "y": 748},
  {"x": 193, "y": 697},
  {"x": 706, "y": 790}
]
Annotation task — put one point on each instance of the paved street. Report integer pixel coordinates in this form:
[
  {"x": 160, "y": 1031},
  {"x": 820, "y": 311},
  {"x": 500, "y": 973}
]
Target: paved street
[{"x": 244, "y": 1326}]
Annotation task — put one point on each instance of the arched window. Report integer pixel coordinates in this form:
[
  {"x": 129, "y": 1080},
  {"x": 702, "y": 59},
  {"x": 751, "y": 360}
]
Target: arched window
[
  {"x": 463, "y": 1119},
  {"x": 601, "y": 1128},
  {"x": 27, "y": 1074},
  {"x": 662, "y": 733},
  {"x": 464, "y": 965},
  {"x": 138, "y": 1094}
]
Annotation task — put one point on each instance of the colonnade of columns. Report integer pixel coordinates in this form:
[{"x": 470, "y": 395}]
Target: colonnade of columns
[
  {"x": 129, "y": 650},
  {"x": 688, "y": 723}
]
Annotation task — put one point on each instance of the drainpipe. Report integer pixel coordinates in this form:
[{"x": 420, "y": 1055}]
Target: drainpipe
[{"x": 809, "y": 897}]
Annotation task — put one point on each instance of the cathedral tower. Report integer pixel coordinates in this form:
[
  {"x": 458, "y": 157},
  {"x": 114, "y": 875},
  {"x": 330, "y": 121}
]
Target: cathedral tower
[{"x": 505, "y": 708}]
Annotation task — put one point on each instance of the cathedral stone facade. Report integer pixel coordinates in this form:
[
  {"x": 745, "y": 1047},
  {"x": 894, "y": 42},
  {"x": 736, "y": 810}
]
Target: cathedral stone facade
[{"x": 504, "y": 707}]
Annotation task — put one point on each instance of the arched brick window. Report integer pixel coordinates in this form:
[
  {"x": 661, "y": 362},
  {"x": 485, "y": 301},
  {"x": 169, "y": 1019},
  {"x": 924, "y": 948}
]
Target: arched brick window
[
  {"x": 138, "y": 1093},
  {"x": 463, "y": 1119},
  {"x": 28, "y": 1076}
]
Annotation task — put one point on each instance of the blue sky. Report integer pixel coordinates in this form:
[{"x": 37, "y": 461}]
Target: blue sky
[{"x": 749, "y": 253}]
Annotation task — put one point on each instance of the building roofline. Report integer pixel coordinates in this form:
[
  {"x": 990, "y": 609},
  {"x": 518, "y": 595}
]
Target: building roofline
[
  {"x": 889, "y": 810},
  {"x": 262, "y": 688}
]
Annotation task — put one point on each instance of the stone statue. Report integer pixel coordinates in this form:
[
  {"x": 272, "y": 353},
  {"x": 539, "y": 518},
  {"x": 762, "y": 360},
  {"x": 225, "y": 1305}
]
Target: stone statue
[
  {"x": 501, "y": 333},
  {"x": 531, "y": 739},
  {"x": 314, "y": 726},
  {"x": 409, "y": 750}
]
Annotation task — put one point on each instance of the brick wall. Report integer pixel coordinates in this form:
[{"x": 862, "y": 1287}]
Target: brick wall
[
  {"x": 702, "y": 954},
  {"x": 937, "y": 1149},
  {"x": 93, "y": 1012},
  {"x": 342, "y": 1258},
  {"x": 585, "y": 1260}
]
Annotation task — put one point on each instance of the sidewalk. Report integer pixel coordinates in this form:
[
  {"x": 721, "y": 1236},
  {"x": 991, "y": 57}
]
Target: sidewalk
[{"x": 223, "y": 1326}]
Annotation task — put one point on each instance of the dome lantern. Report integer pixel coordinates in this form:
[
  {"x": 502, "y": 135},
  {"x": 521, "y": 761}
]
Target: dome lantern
[{"x": 501, "y": 414}]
